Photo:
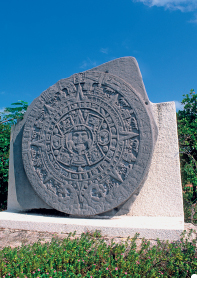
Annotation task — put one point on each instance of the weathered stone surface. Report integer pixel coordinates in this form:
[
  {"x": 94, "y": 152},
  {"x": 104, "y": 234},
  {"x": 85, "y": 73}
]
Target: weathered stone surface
[
  {"x": 161, "y": 194},
  {"x": 163, "y": 228},
  {"x": 88, "y": 143}
]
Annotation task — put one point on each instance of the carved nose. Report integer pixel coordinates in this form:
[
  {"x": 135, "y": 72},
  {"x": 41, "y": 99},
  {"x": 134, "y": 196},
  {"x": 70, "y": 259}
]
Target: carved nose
[{"x": 80, "y": 138}]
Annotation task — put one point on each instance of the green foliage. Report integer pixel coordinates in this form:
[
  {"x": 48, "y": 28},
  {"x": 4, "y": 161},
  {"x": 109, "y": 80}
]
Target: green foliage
[
  {"x": 4, "y": 162},
  {"x": 9, "y": 117},
  {"x": 89, "y": 256},
  {"x": 12, "y": 115},
  {"x": 187, "y": 133}
]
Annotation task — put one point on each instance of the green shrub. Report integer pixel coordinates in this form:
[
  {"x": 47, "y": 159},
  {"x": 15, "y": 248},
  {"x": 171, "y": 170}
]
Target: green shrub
[
  {"x": 9, "y": 117},
  {"x": 187, "y": 133},
  {"x": 4, "y": 162},
  {"x": 89, "y": 256}
]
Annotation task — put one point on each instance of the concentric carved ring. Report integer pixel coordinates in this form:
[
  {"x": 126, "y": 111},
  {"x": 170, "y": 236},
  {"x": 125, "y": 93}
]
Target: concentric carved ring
[{"x": 87, "y": 143}]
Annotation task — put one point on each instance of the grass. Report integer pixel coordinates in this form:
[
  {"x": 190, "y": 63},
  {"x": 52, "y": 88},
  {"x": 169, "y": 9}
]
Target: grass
[{"x": 89, "y": 256}]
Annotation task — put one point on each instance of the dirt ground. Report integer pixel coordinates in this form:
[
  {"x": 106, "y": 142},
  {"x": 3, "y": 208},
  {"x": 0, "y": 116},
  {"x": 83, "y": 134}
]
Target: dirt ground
[{"x": 15, "y": 238}]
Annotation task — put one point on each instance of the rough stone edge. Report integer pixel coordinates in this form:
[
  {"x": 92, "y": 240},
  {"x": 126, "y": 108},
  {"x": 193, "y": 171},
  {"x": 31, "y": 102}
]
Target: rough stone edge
[
  {"x": 121, "y": 210},
  {"x": 127, "y": 207},
  {"x": 56, "y": 87},
  {"x": 14, "y": 202},
  {"x": 157, "y": 107},
  {"x": 125, "y": 68}
]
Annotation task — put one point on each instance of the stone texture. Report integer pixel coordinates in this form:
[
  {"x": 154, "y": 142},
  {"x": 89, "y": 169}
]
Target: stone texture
[
  {"x": 87, "y": 143},
  {"x": 21, "y": 195},
  {"x": 164, "y": 228},
  {"x": 15, "y": 237},
  {"x": 161, "y": 194},
  {"x": 127, "y": 68},
  {"x": 155, "y": 207},
  {"x": 19, "y": 185},
  {"x": 162, "y": 191}
]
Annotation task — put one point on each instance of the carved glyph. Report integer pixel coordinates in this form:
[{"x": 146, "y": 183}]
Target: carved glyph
[{"x": 87, "y": 143}]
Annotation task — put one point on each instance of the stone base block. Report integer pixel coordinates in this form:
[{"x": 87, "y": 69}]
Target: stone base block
[
  {"x": 160, "y": 195},
  {"x": 164, "y": 228},
  {"x": 155, "y": 210}
]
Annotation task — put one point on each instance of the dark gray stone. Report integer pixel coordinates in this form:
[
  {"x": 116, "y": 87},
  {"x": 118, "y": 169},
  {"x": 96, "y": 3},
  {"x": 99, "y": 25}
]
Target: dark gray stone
[
  {"x": 88, "y": 140},
  {"x": 21, "y": 195}
]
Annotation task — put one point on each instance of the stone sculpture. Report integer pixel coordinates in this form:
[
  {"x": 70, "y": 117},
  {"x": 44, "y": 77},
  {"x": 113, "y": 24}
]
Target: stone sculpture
[{"x": 88, "y": 142}]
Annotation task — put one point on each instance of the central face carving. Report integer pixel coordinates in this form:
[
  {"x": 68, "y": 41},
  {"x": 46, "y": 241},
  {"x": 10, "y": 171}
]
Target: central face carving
[
  {"x": 79, "y": 140},
  {"x": 82, "y": 139},
  {"x": 87, "y": 144}
]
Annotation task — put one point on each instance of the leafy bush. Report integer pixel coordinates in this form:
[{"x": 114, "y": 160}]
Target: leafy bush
[
  {"x": 89, "y": 256},
  {"x": 4, "y": 163},
  {"x": 187, "y": 133},
  {"x": 9, "y": 117}
]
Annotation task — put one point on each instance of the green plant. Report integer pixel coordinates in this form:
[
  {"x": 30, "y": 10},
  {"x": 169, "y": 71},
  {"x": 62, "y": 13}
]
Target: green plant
[
  {"x": 8, "y": 117},
  {"x": 4, "y": 163},
  {"x": 11, "y": 115},
  {"x": 89, "y": 256},
  {"x": 187, "y": 133}
]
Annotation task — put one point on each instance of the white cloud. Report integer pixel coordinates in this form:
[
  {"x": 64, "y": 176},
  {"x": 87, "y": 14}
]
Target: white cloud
[
  {"x": 178, "y": 105},
  {"x": 104, "y": 50},
  {"x": 192, "y": 21},
  {"x": 182, "y": 5},
  {"x": 88, "y": 63},
  {"x": 2, "y": 109}
]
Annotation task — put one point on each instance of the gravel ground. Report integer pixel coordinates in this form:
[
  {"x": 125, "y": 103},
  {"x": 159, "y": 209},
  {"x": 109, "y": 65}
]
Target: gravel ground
[{"x": 15, "y": 238}]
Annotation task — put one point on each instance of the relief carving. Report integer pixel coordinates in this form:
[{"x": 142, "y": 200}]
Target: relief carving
[{"x": 82, "y": 140}]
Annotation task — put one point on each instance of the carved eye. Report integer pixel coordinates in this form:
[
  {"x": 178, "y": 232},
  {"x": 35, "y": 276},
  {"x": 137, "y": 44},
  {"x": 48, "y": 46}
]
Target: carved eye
[{"x": 55, "y": 131}]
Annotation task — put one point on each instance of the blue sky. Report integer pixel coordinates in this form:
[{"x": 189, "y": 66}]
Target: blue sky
[{"x": 43, "y": 41}]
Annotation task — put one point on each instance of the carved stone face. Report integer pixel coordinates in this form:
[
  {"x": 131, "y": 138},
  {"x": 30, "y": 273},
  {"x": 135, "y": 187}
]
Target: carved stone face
[
  {"x": 79, "y": 137},
  {"x": 80, "y": 141},
  {"x": 96, "y": 141}
]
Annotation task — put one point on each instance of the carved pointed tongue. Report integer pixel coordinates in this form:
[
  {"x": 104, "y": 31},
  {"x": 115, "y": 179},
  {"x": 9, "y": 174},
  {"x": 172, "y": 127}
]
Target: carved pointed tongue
[
  {"x": 114, "y": 174},
  {"x": 127, "y": 135},
  {"x": 80, "y": 147},
  {"x": 79, "y": 94}
]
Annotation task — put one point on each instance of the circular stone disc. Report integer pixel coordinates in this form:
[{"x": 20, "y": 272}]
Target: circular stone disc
[{"x": 87, "y": 143}]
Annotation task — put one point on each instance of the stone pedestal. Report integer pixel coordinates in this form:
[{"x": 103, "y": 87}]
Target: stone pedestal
[
  {"x": 164, "y": 228},
  {"x": 154, "y": 210},
  {"x": 157, "y": 211}
]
